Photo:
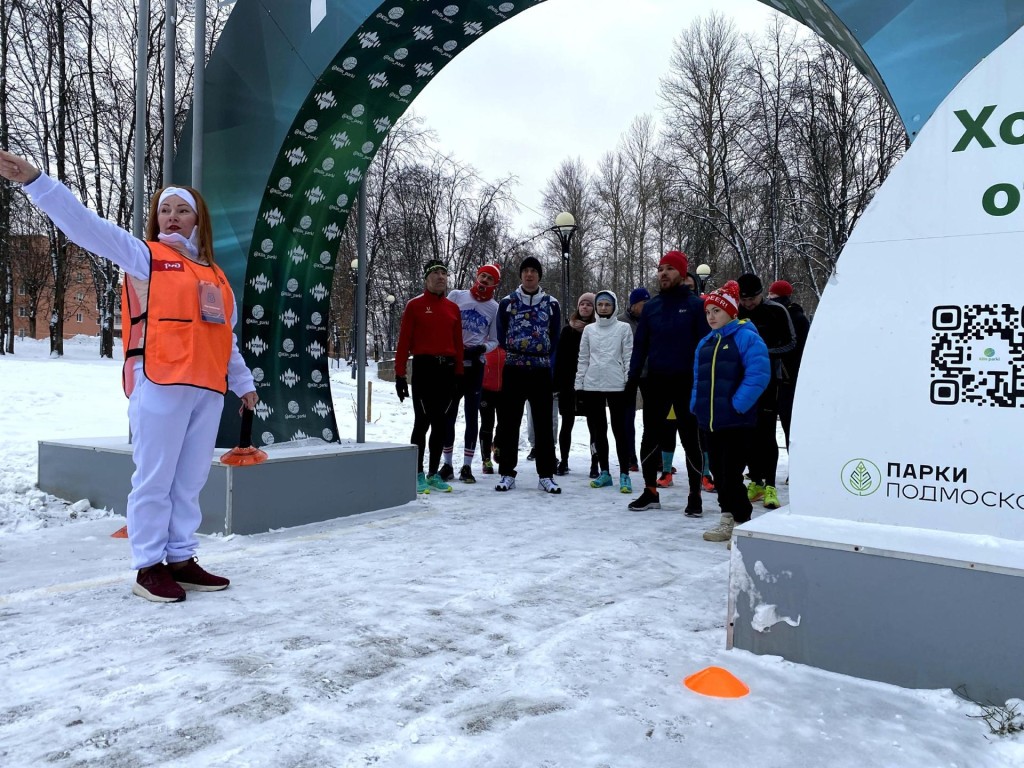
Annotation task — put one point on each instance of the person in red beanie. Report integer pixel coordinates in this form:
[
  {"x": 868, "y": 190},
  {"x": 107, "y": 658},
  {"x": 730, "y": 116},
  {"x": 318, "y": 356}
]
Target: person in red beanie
[
  {"x": 670, "y": 326},
  {"x": 479, "y": 313},
  {"x": 781, "y": 292},
  {"x": 730, "y": 372}
]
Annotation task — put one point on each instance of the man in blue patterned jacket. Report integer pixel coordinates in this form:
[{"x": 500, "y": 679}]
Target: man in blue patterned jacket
[{"x": 529, "y": 321}]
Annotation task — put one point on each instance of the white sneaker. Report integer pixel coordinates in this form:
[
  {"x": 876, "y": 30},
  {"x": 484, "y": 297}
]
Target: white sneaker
[
  {"x": 505, "y": 484},
  {"x": 722, "y": 531},
  {"x": 548, "y": 485}
]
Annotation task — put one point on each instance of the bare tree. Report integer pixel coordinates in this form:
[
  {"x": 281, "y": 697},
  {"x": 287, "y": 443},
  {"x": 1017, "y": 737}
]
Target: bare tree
[
  {"x": 772, "y": 61},
  {"x": 703, "y": 101},
  {"x": 571, "y": 189},
  {"x": 848, "y": 139},
  {"x": 6, "y": 276}
]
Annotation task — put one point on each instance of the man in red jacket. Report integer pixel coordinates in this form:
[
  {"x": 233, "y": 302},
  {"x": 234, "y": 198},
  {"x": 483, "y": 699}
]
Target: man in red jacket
[{"x": 432, "y": 333}]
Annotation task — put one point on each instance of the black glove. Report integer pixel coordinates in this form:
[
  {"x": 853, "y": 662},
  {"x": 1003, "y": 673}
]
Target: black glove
[{"x": 401, "y": 387}]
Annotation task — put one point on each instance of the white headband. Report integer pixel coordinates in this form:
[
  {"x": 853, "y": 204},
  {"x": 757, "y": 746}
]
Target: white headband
[{"x": 184, "y": 194}]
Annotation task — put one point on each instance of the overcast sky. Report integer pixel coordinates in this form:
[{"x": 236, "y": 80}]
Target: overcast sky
[{"x": 563, "y": 79}]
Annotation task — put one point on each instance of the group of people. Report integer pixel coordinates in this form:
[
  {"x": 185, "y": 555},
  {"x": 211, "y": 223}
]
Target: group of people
[{"x": 716, "y": 371}]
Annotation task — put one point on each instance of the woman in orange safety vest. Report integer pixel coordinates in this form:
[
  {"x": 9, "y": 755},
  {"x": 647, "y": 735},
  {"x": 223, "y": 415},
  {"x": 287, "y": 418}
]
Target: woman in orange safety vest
[{"x": 181, "y": 356}]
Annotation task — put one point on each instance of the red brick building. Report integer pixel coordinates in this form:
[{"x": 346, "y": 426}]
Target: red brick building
[{"x": 33, "y": 292}]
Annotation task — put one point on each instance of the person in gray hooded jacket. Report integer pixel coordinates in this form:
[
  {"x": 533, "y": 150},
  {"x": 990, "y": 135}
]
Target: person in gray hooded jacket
[{"x": 605, "y": 351}]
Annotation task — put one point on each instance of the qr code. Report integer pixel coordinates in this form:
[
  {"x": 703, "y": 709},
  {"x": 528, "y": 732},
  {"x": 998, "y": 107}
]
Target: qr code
[{"x": 978, "y": 355}]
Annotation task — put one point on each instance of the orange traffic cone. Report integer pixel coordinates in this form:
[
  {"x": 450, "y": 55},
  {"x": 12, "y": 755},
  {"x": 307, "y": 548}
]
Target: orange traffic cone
[
  {"x": 120, "y": 533},
  {"x": 718, "y": 682},
  {"x": 244, "y": 454}
]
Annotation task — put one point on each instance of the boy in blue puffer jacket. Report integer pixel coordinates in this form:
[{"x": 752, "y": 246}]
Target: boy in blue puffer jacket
[{"x": 730, "y": 371}]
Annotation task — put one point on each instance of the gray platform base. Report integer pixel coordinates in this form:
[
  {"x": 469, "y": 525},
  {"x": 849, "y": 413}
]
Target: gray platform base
[
  {"x": 298, "y": 484},
  {"x": 918, "y": 609}
]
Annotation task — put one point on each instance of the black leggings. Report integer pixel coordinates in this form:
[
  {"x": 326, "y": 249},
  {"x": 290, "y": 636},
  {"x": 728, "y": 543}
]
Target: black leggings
[
  {"x": 519, "y": 385},
  {"x": 567, "y": 410},
  {"x": 763, "y": 452},
  {"x": 662, "y": 394},
  {"x": 594, "y": 403},
  {"x": 488, "y": 411},
  {"x": 727, "y": 449},
  {"x": 434, "y": 397}
]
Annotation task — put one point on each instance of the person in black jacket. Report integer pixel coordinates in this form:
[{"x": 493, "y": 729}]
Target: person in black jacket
[
  {"x": 781, "y": 292},
  {"x": 670, "y": 326},
  {"x": 776, "y": 329},
  {"x": 637, "y": 298},
  {"x": 566, "y": 359}
]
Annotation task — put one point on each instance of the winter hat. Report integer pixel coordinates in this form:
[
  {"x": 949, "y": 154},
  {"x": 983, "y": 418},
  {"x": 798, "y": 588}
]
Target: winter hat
[
  {"x": 606, "y": 296},
  {"x": 750, "y": 285},
  {"x": 675, "y": 259},
  {"x": 490, "y": 269},
  {"x": 434, "y": 266},
  {"x": 478, "y": 291},
  {"x": 781, "y": 288},
  {"x": 585, "y": 297},
  {"x": 531, "y": 262},
  {"x": 638, "y": 294},
  {"x": 726, "y": 298}
]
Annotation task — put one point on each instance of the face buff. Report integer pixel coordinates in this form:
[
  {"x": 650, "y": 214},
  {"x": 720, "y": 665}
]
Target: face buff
[{"x": 481, "y": 292}]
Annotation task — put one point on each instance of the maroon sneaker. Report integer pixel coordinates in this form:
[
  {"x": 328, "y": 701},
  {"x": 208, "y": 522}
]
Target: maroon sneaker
[
  {"x": 191, "y": 576},
  {"x": 156, "y": 584}
]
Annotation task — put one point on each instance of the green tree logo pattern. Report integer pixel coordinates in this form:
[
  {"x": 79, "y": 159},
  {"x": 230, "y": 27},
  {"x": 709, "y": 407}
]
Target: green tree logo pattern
[{"x": 861, "y": 477}]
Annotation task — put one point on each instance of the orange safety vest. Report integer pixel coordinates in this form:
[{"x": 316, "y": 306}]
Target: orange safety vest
[{"x": 176, "y": 345}]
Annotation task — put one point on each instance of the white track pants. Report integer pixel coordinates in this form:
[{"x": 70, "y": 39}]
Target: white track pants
[{"x": 174, "y": 433}]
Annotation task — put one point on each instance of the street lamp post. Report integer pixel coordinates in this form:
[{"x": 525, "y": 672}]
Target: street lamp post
[
  {"x": 565, "y": 226},
  {"x": 390, "y": 299},
  {"x": 354, "y": 274},
  {"x": 703, "y": 273}
]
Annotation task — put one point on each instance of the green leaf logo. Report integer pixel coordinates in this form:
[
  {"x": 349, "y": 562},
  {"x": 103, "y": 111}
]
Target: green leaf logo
[{"x": 861, "y": 477}]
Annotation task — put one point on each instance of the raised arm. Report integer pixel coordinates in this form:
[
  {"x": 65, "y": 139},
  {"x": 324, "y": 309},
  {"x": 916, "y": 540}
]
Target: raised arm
[{"x": 82, "y": 226}]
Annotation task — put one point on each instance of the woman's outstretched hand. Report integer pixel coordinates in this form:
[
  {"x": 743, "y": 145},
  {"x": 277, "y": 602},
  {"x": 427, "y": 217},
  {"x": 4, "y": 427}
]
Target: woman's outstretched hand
[{"x": 17, "y": 168}]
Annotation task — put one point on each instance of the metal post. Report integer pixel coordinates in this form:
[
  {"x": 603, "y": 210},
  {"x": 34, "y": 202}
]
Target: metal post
[
  {"x": 361, "y": 316},
  {"x": 141, "y": 68},
  {"x": 353, "y": 352},
  {"x": 170, "y": 43},
  {"x": 198, "y": 95},
  {"x": 565, "y": 226},
  {"x": 565, "y": 281}
]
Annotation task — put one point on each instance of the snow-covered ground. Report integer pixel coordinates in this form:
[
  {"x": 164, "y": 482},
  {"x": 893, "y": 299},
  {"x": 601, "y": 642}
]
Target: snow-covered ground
[{"x": 465, "y": 629}]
